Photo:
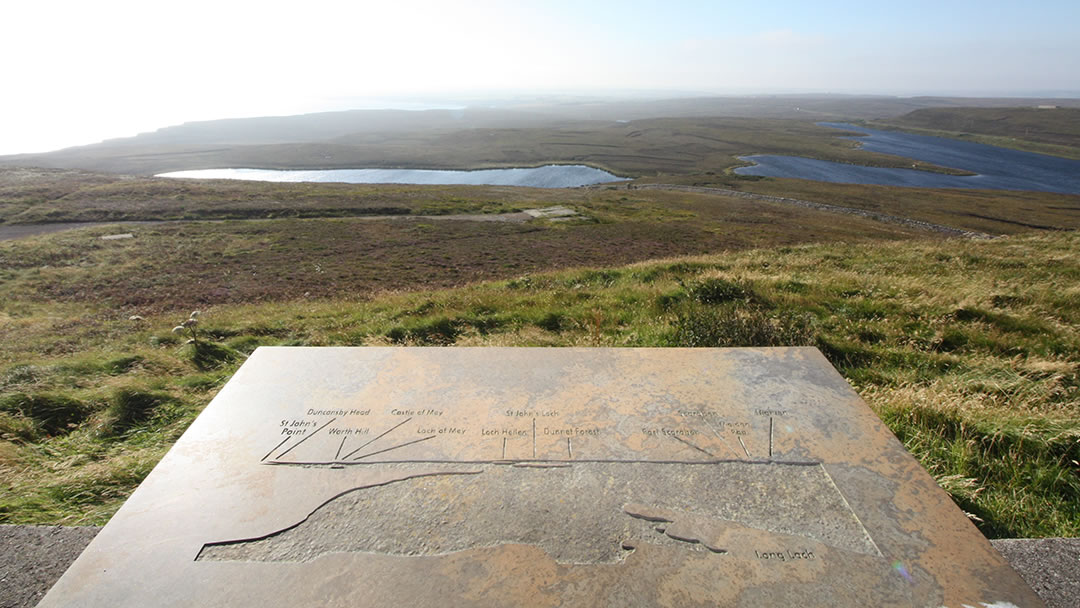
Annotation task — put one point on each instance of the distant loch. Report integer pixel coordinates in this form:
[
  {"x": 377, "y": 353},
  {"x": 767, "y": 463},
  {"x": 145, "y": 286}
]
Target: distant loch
[
  {"x": 548, "y": 176},
  {"x": 995, "y": 168}
]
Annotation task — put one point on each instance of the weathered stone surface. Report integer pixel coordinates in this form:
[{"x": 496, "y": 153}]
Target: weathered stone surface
[
  {"x": 586, "y": 513},
  {"x": 733, "y": 477}
]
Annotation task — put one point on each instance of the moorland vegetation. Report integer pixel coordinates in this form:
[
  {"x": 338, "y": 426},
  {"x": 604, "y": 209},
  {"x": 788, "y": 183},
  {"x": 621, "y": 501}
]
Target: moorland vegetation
[{"x": 968, "y": 349}]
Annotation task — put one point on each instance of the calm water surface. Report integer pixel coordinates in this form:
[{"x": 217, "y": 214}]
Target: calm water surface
[
  {"x": 995, "y": 168},
  {"x": 549, "y": 176}
]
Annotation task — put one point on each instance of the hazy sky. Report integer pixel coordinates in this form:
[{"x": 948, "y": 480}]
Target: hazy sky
[{"x": 78, "y": 72}]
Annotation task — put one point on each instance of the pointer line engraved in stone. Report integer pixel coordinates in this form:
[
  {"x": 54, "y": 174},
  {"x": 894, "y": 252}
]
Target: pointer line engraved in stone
[
  {"x": 744, "y": 447},
  {"x": 275, "y": 448},
  {"x": 340, "y": 446},
  {"x": 306, "y": 438},
  {"x": 718, "y": 436},
  {"x": 770, "y": 437},
  {"x": 693, "y": 446},
  {"x": 384, "y": 434},
  {"x": 395, "y": 447}
]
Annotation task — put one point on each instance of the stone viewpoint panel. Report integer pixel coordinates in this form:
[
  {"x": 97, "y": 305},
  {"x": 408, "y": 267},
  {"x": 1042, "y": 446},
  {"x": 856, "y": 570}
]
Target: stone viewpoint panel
[{"x": 540, "y": 477}]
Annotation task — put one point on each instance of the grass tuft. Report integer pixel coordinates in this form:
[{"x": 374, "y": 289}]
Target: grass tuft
[
  {"x": 47, "y": 413},
  {"x": 129, "y": 407},
  {"x": 553, "y": 321},
  {"x": 440, "y": 331},
  {"x": 122, "y": 365},
  {"x": 715, "y": 290},
  {"x": 210, "y": 355},
  {"x": 740, "y": 325}
]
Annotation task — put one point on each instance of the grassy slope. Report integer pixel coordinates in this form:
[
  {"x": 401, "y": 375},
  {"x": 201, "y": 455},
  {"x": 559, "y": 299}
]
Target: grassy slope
[
  {"x": 1046, "y": 131},
  {"x": 969, "y": 350}
]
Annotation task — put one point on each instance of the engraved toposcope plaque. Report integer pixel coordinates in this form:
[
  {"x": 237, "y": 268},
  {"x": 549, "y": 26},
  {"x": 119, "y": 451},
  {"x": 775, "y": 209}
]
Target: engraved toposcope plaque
[{"x": 540, "y": 477}]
